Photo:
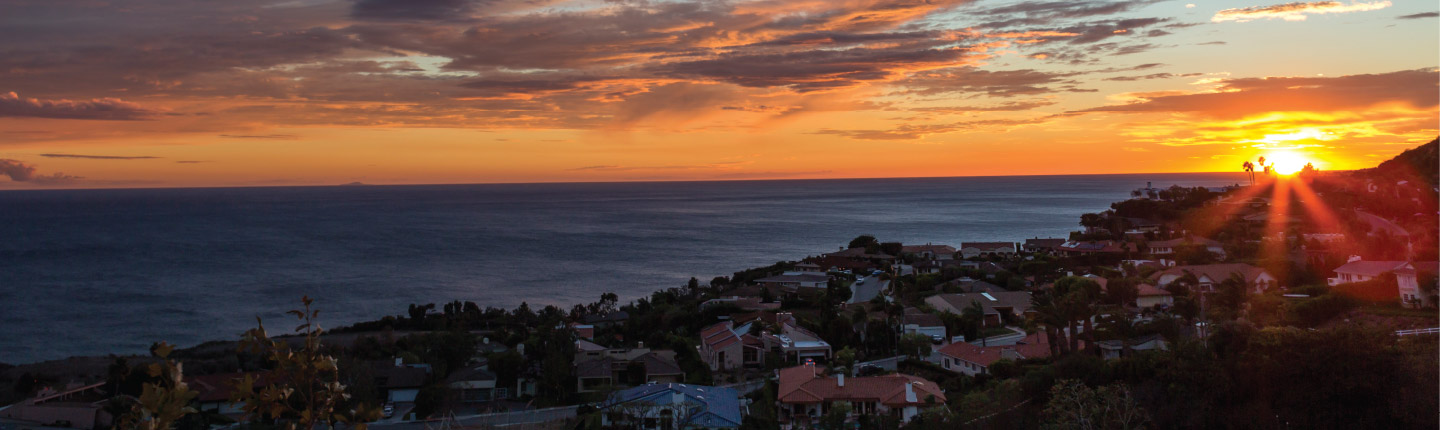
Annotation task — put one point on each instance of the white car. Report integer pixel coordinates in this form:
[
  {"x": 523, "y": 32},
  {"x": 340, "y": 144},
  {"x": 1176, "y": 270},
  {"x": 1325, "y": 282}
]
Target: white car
[
  {"x": 389, "y": 410},
  {"x": 859, "y": 281}
]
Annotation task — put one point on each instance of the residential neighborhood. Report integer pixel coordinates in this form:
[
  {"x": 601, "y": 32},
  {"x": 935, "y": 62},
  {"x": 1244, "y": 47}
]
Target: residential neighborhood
[{"x": 876, "y": 335}]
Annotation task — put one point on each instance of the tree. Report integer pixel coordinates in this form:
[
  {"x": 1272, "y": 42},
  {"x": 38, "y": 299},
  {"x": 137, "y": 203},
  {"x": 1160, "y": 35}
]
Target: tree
[
  {"x": 836, "y": 417},
  {"x": 164, "y": 402},
  {"x": 915, "y": 345},
  {"x": 303, "y": 388},
  {"x": 845, "y": 359},
  {"x": 1250, "y": 169},
  {"x": 864, "y": 241},
  {"x": 1075, "y": 406}
]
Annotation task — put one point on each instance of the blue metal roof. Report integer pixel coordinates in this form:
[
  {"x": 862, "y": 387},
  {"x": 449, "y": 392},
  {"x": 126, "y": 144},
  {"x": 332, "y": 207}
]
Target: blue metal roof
[{"x": 721, "y": 405}]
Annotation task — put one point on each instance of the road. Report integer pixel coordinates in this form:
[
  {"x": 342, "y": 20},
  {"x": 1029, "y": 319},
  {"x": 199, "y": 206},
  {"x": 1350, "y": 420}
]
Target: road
[{"x": 864, "y": 292}]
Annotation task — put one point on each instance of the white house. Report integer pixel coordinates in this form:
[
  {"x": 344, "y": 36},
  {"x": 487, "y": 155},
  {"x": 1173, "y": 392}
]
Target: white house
[
  {"x": 976, "y": 249},
  {"x": 969, "y": 359},
  {"x": 1150, "y": 296},
  {"x": 1408, "y": 278},
  {"x": 1361, "y": 271},
  {"x": 1168, "y": 247},
  {"x": 921, "y": 323}
]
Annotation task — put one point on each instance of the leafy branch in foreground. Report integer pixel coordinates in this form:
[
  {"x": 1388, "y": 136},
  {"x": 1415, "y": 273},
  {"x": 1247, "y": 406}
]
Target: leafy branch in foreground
[
  {"x": 303, "y": 389},
  {"x": 163, "y": 402}
]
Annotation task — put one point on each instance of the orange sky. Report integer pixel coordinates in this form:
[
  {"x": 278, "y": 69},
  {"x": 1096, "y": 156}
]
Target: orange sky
[{"x": 160, "y": 93}]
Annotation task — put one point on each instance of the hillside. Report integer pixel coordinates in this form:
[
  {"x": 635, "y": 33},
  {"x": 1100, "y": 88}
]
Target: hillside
[{"x": 1422, "y": 162}]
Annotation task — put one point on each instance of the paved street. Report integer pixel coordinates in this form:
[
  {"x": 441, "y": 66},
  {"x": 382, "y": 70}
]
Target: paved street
[{"x": 868, "y": 290}]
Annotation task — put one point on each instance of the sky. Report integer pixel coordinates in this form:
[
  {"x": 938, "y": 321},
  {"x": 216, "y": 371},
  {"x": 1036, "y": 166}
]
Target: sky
[{"x": 169, "y": 93}]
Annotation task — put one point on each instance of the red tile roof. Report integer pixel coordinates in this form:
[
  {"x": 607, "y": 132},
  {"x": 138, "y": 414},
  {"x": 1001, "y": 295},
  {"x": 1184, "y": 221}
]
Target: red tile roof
[
  {"x": 1147, "y": 290},
  {"x": 805, "y": 385},
  {"x": 1033, "y": 346}
]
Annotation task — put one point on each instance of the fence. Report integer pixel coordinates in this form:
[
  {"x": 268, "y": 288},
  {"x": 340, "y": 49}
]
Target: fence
[{"x": 1432, "y": 330}]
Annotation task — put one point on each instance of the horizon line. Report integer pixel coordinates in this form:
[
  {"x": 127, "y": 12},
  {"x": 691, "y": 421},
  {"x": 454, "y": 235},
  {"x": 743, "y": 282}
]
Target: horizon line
[{"x": 638, "y": 181}]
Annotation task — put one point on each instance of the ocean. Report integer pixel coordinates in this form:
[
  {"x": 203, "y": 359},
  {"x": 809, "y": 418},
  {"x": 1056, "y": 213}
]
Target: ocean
[{"x": 93, "y": 272}]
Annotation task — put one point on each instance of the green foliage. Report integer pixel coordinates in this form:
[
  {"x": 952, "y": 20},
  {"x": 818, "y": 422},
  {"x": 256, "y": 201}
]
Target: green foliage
[
  {"x": 1316, "y": 311},
  {"x": 915, "y": 345},
  {"x": 836, "y": 417},
  {"x": 164, "y": 402},
  {"x": 303, "y": 388},
  {"x": 864, "y": 241},
  {"x": 1075, "y": 406}
]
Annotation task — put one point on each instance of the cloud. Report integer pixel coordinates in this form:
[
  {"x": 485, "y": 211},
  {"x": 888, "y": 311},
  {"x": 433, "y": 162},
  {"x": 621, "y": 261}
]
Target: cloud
[
  {"x": 1153, "y": 76},
  {"x": 99, "y": 157},
  {"x": 997, "y": 83},
  {"x": 11, "y": 105},
  {"x": 19, "y": 171},
  {"x": 916, "y": 131},
  {"x": 1240, "y": 97},
  {"x": 1296, "y": 11},
  {"x": 260, "y": 136},
  {"x": 1419, "y": 15},
  {"x": 411, "y": 9}
]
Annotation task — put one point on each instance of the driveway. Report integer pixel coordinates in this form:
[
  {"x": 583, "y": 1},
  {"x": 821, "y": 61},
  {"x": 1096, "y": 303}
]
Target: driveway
[{"x": 868, "y": 290}]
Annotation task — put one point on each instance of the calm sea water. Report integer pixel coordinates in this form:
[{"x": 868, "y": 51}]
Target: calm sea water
[{"x": 91, "y": 272}]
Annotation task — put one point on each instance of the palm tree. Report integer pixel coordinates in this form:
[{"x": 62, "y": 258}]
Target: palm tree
[
  {"x": 1050, "y": 316},
  {"x": 1249, "y": 168}
]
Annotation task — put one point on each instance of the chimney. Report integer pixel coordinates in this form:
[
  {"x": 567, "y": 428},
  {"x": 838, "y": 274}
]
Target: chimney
[
  {"x": 910, "y": 392},
  {"x": 641, "y": 345},
  {"x": 840, "y": 379}
]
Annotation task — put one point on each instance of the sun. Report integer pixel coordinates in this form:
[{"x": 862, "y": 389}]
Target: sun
[{"x": 1286, "y": 163}]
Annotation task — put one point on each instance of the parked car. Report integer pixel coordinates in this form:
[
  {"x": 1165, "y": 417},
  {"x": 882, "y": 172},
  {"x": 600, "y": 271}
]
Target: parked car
[
  {"x": 389, "y": 410},
  {"x": 869, "y": 370},
  {"x": 937, "y": 339},
  {"x": 859, "y": 281}
]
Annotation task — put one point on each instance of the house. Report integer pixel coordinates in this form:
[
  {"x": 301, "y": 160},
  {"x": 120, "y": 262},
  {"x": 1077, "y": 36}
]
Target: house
[
  {"x": 1047, "y": 245},
  {"x": 744, "y": 303},
  {"x": 967, "y": 285},
  {"x": 213, "y": 391},
  {"x": 1113, "y": 349},
  {"x": 1075, "y": 247},
  {"x": 795, "y": 281},
  {"x": 917, "y": 322},
  {"x": 1168, "y": 247},
  {"x": 78, "y": 407},
  {"x": 805, "y": 266},
  {"x": 723, "y": 347},
  {"x": 475, "y": 385},
  {"x": 1361, "y": 271},
  {"x": 976, "y": 249},
  {"x": 961, "y": 357},
  {"x": 597, "y": 367},
  {"x": 996, "y": 305},
  {"x": 806, "y": 394},
  {"x": 606, "y": 320},
  {"x": 585, "y": 331},
  {"x": 1211, "y": 275},
  {"x": 1143, "y": 225},
  {"x": 794, "y": 343},
  {"x": 673, "y": 406},
  {"x": 828, "y": 264},
  {"x": 1150, "y": 296},
  {"x": 1408, "y": 281},
  {"x": 398, "y": 382},
  {"x": 930, "y": 251}
]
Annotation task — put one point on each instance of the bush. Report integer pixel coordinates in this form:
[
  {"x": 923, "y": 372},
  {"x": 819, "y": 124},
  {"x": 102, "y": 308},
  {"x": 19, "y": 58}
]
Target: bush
[{"x": 1316, "y": 311}]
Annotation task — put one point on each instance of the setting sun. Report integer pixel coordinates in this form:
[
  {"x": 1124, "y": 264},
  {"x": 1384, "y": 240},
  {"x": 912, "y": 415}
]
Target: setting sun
[{"x": 1286, "y": 163}]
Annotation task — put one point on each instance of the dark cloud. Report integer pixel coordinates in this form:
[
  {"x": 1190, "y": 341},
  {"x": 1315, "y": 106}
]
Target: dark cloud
[
  {"x": 100, "y": 157},
  {"x": 1152, "y": 76},
  {"x": 411, "y": 9},
  {"x": 19, "y": 171},
  {"x": 1419, "y": 15},
  {"x": 999, "y": 83},
  {"x": 11, "y": 104},
  {"x": 813, "y": 70},
  {"x": 1241, "y": 97},
  {"x": 192, "y": 161}
]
